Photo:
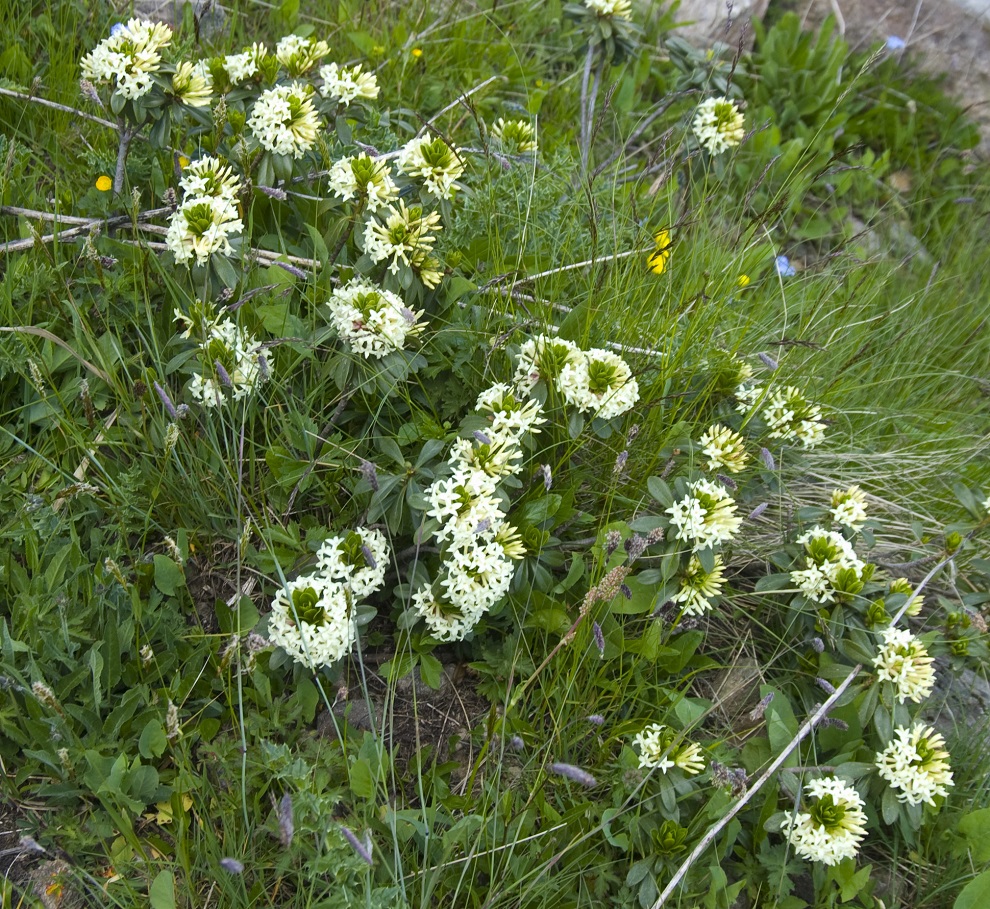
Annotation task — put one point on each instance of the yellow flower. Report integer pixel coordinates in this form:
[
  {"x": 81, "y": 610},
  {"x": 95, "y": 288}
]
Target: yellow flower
[
  {"x": 417, "y": 52},
  {"x": 183, "y": 161},
  {"x": 104, "y": 183},
  {"x": 742, "y": 280},
  {"x": 657, "y": 261}
]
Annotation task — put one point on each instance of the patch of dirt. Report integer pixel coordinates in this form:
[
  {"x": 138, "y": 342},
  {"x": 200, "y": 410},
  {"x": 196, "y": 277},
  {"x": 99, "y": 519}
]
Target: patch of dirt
[{"x": 417, "y": 716}]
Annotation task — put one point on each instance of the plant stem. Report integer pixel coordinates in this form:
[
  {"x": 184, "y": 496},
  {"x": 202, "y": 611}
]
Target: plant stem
[{"x": 126, "y": 134}]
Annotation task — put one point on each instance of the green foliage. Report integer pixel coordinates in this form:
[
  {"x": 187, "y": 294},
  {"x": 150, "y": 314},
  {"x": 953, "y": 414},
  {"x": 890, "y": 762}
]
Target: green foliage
[{"x": 194, "y": 439}]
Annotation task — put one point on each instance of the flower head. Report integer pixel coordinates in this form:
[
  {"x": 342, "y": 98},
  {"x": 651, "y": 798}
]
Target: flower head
[
  {"x": 298, "y": 55},
  {"x": 210, "y": 177},
  {"x": 201, "y": 227},
  {"x": 784, "y": 267},
  {"x": 406, "y": 237},
  {"x": 903, "y": 659},
  {"x": 511, "y": 417},
  {"x": 657, "y": 261},
  {"x": 903, "y": 585},
  {"x": 358, "y": 559},
  {"x": 434, "y": 162},
  {"x": 831, "y": 566},
  {"x": 372, "y": 320},
  {"x": 311, "y": 619},
  {"x": 659, "y": 748},
  {"x": 192, "y": 84},
  {"x": 128, "y": 57},
  {"x": 718, "y": 124},
  {"x": 724, "y": 449},
  {"x": 241, "y": 67},
  {"x": 789, "y": 415},
  {"x": 706, "y": 516},
  {"x": 347, "y": 83},
  {"x": 230, "y": 359},
  {"x": 833, "y": 826},
  {"x": 514, "y": 137},
  {"x": 600, "y": 383},
  {"x": 544, "y": 357},
  {"x": 615, "y": 9},
  {"x": 699, "y": 587},
  {"x": 364, "y": 177},
  {"x": 849, "y": 507},
  {"x": 104, "y": 183},
  {"x": 284, "y": 120},
  {"x": 917, "y": 764}
]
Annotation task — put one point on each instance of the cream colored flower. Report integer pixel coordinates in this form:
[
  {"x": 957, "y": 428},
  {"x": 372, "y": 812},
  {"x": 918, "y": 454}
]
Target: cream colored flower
[
  {"x": 724, "y": 449},
  {"x": 718, "y": 124},
  {"x": 833, "y": 826},
  {"x": 284, "y": 120},
  {"x": 699, "y": 587},
  {"x": 193, "y": 84},
  {"x": 434, "y": 162},
  {"x": 903, "y": 659},
  {"x": 917, "y": 764}
]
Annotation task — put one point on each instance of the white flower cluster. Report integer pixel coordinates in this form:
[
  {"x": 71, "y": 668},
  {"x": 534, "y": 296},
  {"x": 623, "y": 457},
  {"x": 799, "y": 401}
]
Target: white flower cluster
[
  {"x": 313, "y": 617},
  {"x": 849, "y": 507},
  {"x": 658, "y": 748},
  {"x": 594, "y": 381},
  {"x": 202, "y": 226},
  {"x": 192, "y": 84},
  {"x": 724, "y": 449},
  {"x": 298, "y": 55},
  {"x": 789, "y": 415},
  {"x": 718, "y": 124},
  {"x": 828, "y": 554},
  {"x": 434, "y": 162},
  {"x": 364, "y": 177},
  {"x": 917, "y": 764},
  {"x": 128, "y": 57},
  {"x": 241, "y": 67},
  {"x": 372, "y": 320},
  {"x": 406, "y": 237},
  {"x": 478, "y": 543},
  {"x": 357, "y": 560},
  {"x": 345, "y": 84},
  {"x": 699, "y": 587},
  {"x": 311, "y": 620},
  {"x": 617, "y": 9},
  {"x": 284, "y": 120},
  {"x": 986, "y": 505},
  {"x": 232, "y": 359},
  {"x": 903, "y": 659},
  {"x": 832, "y": 828},
  {"x": 706, "y": 516},
  {"x": 210, "y": 176}
]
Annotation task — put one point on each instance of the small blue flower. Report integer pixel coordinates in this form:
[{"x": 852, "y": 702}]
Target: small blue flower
[
  {"x": 116, "y": 29},
  {"x": 895, "y": 44},
  {"x": 784, "y": 267}
]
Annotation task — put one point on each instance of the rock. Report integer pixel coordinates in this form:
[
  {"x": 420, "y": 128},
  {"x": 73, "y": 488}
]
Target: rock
[
  {"x": 707, "y": 21},
  {"x": 211, "y": 17}
]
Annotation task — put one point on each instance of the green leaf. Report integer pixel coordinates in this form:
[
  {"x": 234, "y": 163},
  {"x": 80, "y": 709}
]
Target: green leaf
[
  {"x": 975, "y": 827},
  {"x": 153, "y": 741},
  {"x": 976, "y": 894},
  {"x": 361, "y": 779},
  {"x": 168, "y": 575},
  {"x": 162, "y": 892},
  {"x": 430, "y": 670},
  {"x": 660, "y": 491}
]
